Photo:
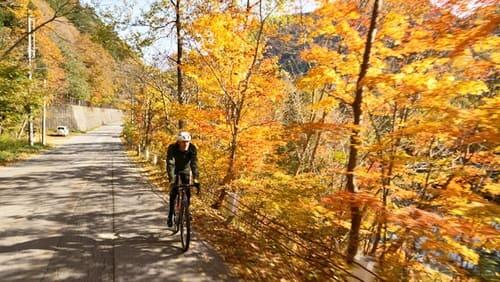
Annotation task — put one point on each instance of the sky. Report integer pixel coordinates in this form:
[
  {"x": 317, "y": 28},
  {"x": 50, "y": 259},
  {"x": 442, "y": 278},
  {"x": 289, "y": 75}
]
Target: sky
[{"x": 134, "y": 9}]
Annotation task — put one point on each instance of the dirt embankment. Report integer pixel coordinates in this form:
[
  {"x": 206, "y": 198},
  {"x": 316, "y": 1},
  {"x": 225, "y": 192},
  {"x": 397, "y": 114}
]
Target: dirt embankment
[{"x": 61, "y": 26}]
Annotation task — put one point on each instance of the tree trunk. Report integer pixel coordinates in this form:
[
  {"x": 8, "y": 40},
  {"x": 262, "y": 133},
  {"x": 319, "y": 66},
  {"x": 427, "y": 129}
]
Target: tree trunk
[
  {"x": 232, "y": 158},
  {"x": 149, "y": 118},
  {"x": 178, "y": 28},
  {"x": 316, "y": 144},
  {"x": 303, "y": 155},
  {"x": 20, "y": 134},
  {"x": 230, "y": 173},
  {"x": 353, "y": 243}
]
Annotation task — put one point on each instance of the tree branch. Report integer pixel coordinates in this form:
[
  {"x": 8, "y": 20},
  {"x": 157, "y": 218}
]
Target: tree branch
[{"x": 57, "y": 14}]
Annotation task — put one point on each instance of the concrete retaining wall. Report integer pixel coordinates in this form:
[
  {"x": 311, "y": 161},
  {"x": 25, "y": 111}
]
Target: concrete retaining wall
[{"x": 80, "y": 117}]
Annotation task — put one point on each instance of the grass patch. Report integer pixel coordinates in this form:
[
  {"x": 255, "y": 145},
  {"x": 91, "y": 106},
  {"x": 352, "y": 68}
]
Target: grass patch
[{"x": 13, "y": 150}]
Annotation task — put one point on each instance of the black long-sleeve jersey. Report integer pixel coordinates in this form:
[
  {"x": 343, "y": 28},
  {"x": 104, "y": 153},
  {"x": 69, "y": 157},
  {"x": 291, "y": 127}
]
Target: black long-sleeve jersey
[{"x": 181, "y": 162}]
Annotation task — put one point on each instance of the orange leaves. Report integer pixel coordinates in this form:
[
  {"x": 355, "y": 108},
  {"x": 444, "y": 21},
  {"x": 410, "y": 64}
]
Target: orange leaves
[
  {"x": 321, "y": 55},
  {"x": 319, "y": 76},
  {"x": 339, "y": 10},
  {"x": 472, "y": 36},
  {"x": 343, "y": 200},
  {"x": 313, "y": 126}
]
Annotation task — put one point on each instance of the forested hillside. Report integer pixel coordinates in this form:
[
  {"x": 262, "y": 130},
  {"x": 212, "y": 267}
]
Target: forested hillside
[
  {"x": 364, "y": 129},
  {"x": 78, "y": 59}
]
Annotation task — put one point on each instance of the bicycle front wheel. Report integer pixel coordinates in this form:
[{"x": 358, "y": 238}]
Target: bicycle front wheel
[
  {"x": 185, "y": 227},
  {"x": 177, "y": 214}
]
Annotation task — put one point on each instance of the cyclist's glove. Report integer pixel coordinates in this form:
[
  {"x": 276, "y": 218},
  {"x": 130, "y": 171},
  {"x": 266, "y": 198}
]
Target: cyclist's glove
[{"x": 197, "y": 185}]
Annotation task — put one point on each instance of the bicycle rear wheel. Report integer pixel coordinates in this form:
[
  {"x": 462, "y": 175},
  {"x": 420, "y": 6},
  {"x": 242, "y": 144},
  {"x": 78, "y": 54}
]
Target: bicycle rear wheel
[{"x": 185, "y": 226}]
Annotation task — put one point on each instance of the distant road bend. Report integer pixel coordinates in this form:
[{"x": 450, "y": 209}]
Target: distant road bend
[{"x": 82, "y": 212}]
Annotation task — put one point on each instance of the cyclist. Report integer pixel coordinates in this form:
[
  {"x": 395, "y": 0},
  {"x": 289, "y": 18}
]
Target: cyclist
[{"x": 181, "y": 160}]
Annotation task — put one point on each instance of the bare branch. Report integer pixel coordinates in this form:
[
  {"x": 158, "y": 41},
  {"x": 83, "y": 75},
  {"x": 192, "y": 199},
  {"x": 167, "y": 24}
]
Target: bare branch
[{"x": 60, "y": 12}]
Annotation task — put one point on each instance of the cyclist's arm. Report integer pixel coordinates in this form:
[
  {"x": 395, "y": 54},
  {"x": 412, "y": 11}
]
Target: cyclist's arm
[
  {"x": 170, "y": 162},
  {"x": 194, "y": 163}
]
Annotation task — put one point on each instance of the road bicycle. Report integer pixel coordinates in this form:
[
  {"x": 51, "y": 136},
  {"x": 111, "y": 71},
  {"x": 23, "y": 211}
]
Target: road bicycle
[{"x": 182, "y": 215}]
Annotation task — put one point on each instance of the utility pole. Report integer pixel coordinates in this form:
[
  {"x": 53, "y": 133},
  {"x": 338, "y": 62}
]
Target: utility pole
[
  {"x": 44, "y": 115},
  {"x": 31, "y": 56}
]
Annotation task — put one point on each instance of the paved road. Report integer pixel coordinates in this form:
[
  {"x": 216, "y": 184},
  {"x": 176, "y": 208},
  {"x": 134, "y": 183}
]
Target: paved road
[{"x": 82, "y": 212}]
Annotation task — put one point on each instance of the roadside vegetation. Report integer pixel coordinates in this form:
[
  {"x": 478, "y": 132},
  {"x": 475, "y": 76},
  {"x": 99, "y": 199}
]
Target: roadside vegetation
[
  {"x": 358, "y": 131},
  {"x": 12, "y": 150},
  {"x": 79, "y": 60}
]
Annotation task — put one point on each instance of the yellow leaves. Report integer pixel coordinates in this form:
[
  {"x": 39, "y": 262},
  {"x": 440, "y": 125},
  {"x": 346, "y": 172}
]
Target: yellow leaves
[
  {"x": 318, "y": 77},
  {"x": 492, "y": 188},
  {"x": 320, "y": 55},
  {"x": 376, "y": 67},
  {"x": 351, "y": 36},
  {"x": 245, "y": 93},
  {"x": 20, "y": 10},
  {"x": 463, "y": 60},
  {"x": 222, "y": 33},
  {"x": 431, "y": 83},
  {"x": 495, "y": 57},
  {"x": 419, "y": 82},
  {"x": 341, "y": 25},
  {"x": 425, "y": 67},
  {"x": 445, "y": 43},
  {"x": 339, "y": 10},
  {"x": 401, "y": 193},
  {"x": 349, "y": 65},
  {"x": 417, "y": 40},
  {"x": 381, "y": 51},
  {"x": 394, "y": 26},
  {"x": 471, "y": 87},
  {"x": 326, "y": 104},
  {"x": 488, "y": 44},
  {"x": 462, "y": 206},
  {"x": 467, "y": 253}
]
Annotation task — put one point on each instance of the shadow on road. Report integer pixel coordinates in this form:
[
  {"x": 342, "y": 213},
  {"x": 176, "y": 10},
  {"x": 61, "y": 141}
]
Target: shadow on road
[{"x": 82, "y": 212}]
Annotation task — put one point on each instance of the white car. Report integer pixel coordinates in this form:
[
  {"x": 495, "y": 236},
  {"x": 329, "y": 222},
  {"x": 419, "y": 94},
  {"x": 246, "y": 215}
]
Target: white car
[{"x": 62, "y": 131}]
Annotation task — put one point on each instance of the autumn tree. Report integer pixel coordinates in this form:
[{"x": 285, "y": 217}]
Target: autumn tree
[
  {"x": 236, "y": 78},
  {"x": 402, "y": 74},
  {"x": 362, "y": 129},
  {"x": 169, "y": 19},
  {"x": 63, "y": 8}
]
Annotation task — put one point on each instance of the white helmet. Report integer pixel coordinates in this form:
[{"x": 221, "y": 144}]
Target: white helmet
[{"x": 184, "y": 136}]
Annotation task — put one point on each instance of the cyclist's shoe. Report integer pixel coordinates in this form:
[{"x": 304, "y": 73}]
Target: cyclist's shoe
[{"x": 169, "y": 222}]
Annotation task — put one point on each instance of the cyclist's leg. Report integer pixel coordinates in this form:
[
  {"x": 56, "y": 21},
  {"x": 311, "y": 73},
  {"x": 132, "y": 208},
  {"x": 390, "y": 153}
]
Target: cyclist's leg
[
  {"x": 184, "y": 178},
  {"x": 172, "y": 196}
]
